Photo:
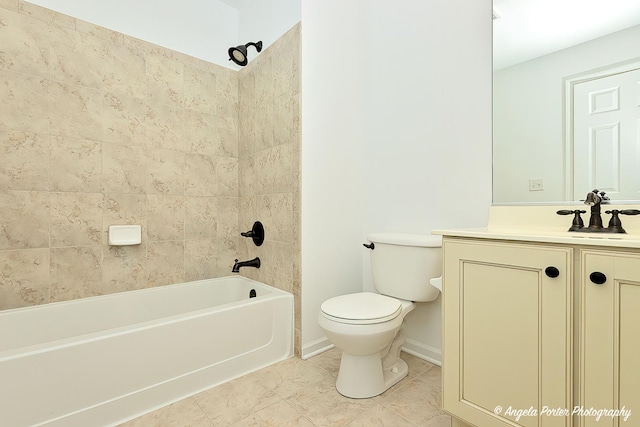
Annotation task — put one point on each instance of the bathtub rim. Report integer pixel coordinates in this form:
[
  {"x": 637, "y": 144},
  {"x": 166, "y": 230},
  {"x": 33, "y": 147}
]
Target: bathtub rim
[
  {"x": 143, "y": 290},
  {"x": 104, "y": 333}
]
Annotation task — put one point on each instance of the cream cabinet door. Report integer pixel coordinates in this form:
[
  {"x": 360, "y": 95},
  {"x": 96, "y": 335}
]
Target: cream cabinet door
[
  {"x": 610, "y": 338},
  {"x": 507, "y": 333}
]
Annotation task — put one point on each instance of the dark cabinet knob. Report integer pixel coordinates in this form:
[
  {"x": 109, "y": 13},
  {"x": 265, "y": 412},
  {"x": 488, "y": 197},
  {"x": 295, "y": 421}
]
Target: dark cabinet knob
[
  {"x": 552, "y": 272},
  {"x": 597, "y": 278}
]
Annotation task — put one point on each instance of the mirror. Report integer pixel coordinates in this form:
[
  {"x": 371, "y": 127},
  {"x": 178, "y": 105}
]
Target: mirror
[{"x": 545, "y": 52}]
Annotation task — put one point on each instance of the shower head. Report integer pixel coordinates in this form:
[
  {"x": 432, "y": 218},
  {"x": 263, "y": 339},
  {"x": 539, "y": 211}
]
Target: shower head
[{"x": 238, "y": 54}]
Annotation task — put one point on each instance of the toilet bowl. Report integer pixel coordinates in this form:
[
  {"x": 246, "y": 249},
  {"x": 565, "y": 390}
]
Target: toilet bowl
[
  {"x": 363, "y": 338},
  {"x": 367, "y": 326}
]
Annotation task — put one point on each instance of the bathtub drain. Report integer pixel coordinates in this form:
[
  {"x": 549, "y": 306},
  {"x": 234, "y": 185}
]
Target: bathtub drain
[{"x": 252, "y": 293}]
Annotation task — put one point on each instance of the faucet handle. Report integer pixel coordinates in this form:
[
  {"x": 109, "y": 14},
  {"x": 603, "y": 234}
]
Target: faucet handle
[
  {"x": 615, "y": 212},
  {"x": 577, "y": 223},
  {"x": 569, "y": 212},
  {"x": 615, "y": 225}
]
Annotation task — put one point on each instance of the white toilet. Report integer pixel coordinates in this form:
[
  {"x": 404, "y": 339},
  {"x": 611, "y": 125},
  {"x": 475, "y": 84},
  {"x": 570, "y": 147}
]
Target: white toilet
[{"x": 367, "y": 327}]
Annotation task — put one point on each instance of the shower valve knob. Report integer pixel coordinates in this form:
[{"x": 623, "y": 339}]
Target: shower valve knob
[{"x": 256, "y": 233}]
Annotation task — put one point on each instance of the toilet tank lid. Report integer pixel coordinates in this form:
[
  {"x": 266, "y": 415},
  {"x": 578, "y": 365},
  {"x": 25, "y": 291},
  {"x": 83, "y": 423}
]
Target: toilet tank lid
[{"x": 406, "y": 239}]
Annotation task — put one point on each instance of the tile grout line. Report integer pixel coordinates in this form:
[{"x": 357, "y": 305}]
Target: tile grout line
[{"x": 202, "y": 410}]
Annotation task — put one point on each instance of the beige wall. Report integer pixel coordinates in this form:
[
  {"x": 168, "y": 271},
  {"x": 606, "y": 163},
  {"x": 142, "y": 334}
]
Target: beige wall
[
  {"x": 98, "y": 128},
  {"x": 269, "y": 151}
]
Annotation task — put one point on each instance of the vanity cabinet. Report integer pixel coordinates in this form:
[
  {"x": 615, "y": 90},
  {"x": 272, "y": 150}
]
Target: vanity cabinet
[
  {"x": 525, "y": 344},
  {"x": 610, "y": 335},
  {"x": 506, "y": 339}
]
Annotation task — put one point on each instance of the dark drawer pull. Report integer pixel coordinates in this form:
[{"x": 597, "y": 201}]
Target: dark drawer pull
[
  {"x": 598, "y": 278},
  {"x": 552, "y": 272}
]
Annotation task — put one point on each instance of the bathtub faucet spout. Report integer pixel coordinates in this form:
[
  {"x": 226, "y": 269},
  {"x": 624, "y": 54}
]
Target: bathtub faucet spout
[{"x": 251, "y": 263}]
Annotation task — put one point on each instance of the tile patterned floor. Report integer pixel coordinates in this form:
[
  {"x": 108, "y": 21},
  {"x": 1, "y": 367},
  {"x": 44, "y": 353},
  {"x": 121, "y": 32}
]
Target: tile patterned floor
[{"x": 302, "y": 393}]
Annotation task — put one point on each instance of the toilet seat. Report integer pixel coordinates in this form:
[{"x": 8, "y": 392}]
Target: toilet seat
[{"x": 361, "y": 308}]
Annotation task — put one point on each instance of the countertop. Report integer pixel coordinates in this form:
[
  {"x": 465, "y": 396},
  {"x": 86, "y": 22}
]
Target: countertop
[
  {"x": 546, "y": 236},
  {"x": 542, "y": 224}
]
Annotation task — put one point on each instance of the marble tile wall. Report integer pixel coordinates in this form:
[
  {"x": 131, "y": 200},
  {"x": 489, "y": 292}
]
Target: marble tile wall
[
  {"x": 98, "y": 128},
  {"x": 269, "y": 164}
]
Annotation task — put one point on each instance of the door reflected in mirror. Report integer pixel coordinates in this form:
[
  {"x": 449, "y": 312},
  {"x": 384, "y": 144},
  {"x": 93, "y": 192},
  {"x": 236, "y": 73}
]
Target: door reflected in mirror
[{"x": 553, "y": 60}]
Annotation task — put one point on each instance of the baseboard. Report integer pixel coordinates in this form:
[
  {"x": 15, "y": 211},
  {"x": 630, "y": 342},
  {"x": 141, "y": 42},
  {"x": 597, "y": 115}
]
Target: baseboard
[
  {"x": 423, "y": 351},
  {"x": 415, "y": 348},
  {"x": 315, "y": 347}
]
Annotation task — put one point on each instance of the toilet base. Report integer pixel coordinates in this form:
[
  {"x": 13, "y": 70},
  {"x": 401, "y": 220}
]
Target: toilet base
[{"x": 361, "y": 377}]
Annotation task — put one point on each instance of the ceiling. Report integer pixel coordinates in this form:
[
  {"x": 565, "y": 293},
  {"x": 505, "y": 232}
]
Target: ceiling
[{"x": 527, "y": 29}]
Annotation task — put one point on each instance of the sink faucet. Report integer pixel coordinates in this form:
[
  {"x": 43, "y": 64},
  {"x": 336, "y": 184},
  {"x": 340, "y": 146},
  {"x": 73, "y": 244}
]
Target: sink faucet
[
  {"x": 595, "y": 199},
  {"x": 251, "y": 263}
]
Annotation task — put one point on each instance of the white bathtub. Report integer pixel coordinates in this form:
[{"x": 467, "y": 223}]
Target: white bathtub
[{"x": 104, "y": 360}]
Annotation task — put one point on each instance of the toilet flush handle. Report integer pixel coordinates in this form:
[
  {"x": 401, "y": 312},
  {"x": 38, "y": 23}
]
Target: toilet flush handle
[{"x": 371, "y": 246}]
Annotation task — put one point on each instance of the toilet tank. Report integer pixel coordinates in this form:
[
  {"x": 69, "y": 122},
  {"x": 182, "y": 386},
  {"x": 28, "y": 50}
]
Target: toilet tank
[{"x": 403, "y": 264}]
